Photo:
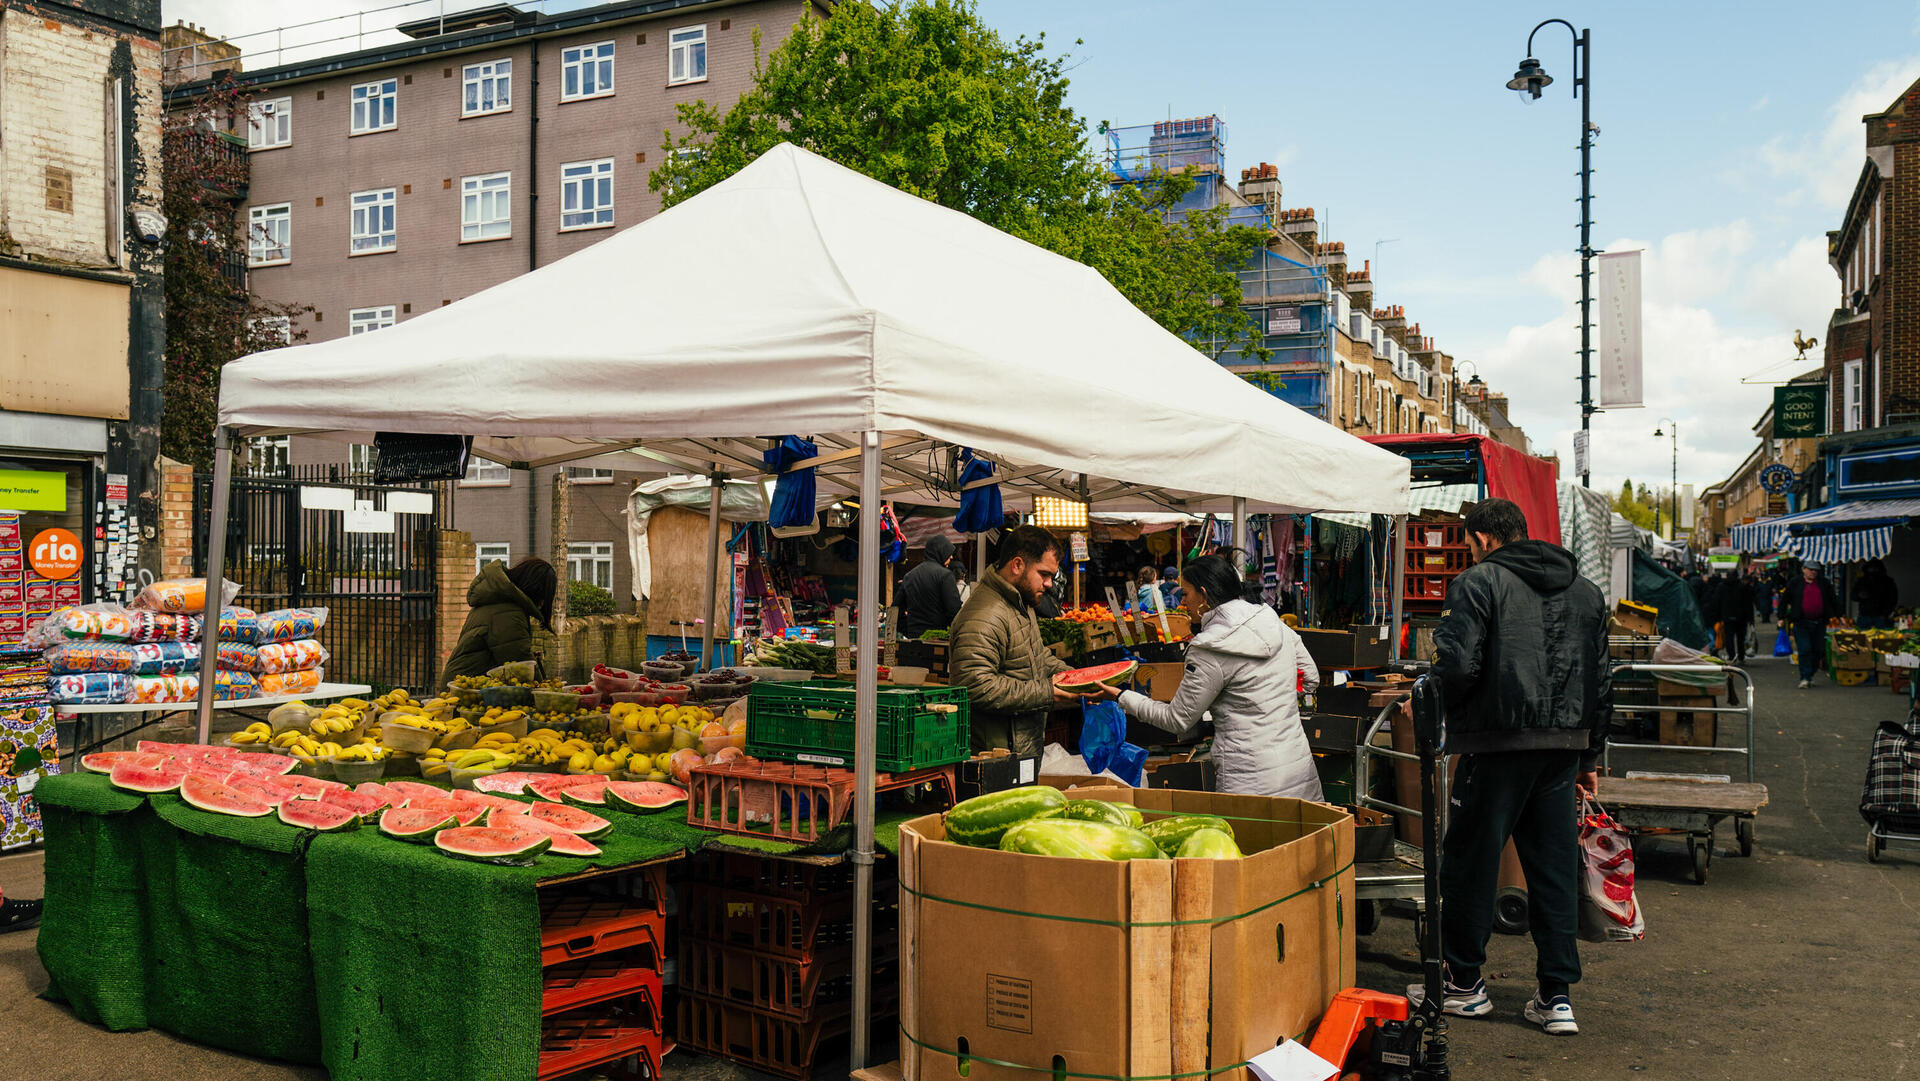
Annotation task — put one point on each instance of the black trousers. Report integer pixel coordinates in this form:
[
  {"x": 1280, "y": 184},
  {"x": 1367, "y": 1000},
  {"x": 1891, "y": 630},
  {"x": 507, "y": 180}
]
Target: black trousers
[
  {"x": 1527, "y": 796},
  {"x": 1736, "y": 640}
]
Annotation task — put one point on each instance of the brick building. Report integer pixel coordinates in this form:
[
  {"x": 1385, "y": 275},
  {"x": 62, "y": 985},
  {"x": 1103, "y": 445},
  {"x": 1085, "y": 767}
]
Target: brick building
[
  {"x": 81, "y": 298},
  {"x": 394, "y": 180}
]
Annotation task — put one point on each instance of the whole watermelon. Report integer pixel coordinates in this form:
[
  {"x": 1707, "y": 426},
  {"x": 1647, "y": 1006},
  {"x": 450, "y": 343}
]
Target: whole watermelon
[
  {"x": 981, "y": 821},
  {"x": 1209, "y": 844},
  {"x": 1080, "y": 840},
  {"x": 1099, "y": 810},
  {"x": 1171, "y": 833}
]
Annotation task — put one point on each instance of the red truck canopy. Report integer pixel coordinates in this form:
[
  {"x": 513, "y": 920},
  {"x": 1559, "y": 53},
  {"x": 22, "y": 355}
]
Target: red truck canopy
[{"x": 1510, "y": 474}]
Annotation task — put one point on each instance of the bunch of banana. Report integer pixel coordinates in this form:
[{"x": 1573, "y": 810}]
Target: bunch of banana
[
  {"x": 290, "y": 737},
  {"x": 302, "y": 745},
  {"x": 480, "y": 758},
  {"x": 428, "y": 723},
  {"x": 257, "y": 732},
  {"x": 499, "y": 715},
  {"x": 333, "y": 724},
  {"x": 434, "y": 762},
  {"x": 361, "y": 752},
  {"x": 356, "y": 705}
]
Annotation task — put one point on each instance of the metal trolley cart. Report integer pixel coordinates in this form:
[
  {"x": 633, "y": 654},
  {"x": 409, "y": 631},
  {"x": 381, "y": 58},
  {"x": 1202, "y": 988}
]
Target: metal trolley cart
[
  {"x": 1651, "y": 804},
  {"x": 1402, "y": 877},
  {"x": 1891, "y": 800}
]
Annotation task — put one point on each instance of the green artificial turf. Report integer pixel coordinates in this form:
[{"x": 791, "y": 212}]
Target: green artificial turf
[{"x": 92, "y": 937}]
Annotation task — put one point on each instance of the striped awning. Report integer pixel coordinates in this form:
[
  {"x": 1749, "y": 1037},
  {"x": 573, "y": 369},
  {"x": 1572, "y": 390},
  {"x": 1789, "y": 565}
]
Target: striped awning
[
  {"x": 1769, "y": 534},
  {"x": 1852, "y": 546}
]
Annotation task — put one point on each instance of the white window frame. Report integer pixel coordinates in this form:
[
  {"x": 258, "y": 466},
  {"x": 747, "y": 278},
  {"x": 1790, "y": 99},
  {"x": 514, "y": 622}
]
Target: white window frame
[
  {"x": 486, "y": 207},
  {"x": 581, "y": 177},
  {"x": 360, "y": 459},
  {"x": 486, "y": 552},
  {"x": 269, "y": 456},
  {"x": 685, "y": 44},
  {"x": 270, "y": 124},
  {"x": 366, "y": 113},
  {"x": 477, "y": 79},
  {"x": 583, "y": 65},
  {"x": 485, "y": 474},
  {"x": 1851, "y": 385},
  {"x": 368, "y": 320},
  {"x": 587, "y": 474},
  {"x": 263, "y": 222},
  {"x": 593, "y": 557},
  {"x": 368, "y": 233}
]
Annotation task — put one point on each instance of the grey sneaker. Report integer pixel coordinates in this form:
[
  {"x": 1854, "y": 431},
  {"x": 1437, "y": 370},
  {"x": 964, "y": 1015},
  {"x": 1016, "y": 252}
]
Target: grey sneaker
[
  {"x": 1556, "y": 1016},
  {"x": 1458, "y": 1001}
]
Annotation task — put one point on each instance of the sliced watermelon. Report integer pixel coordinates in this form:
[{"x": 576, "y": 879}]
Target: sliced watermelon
[
  {"x": 363, "y": 806},
  {"x": 586, "y": 795},
  {"x": 211, "y": 795},
  {"x": 503, "y": 806},
  {"x": 271, "y": 795},
  {"x": 492, "y": 844},
  {"x": 585, "y": 823},
  {"x": 406, "y": 790},
  {"x": 104, "y": 761},
  {"x": 319, "y": 815},
  {"x": 637, "y": 796},
  {"x": 407, "y": 824},
  {"x": 467, "y": 814},
  {"x": 164, "y": 777},
  {"x": 1089, "y": 680},
  {"x": 565, "y": 841},
  {"x": 512, "y": 783},
  {"x": 386, "y": 796},
  {"x": 310, "y": 787},
  {"x": 549, "y": 787}
]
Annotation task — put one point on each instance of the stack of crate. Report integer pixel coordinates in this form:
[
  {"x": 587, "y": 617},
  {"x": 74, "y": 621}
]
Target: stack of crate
[
  {"x": 603, "y": 958},
  {"x": 1436, "y": 554},
  {"x": 765, "y": 975}
]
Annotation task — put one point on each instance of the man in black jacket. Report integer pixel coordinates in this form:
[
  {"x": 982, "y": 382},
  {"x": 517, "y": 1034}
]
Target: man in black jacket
[
  {"x": 929, "y": 596},
  {"x": 1521, "y": 655}
]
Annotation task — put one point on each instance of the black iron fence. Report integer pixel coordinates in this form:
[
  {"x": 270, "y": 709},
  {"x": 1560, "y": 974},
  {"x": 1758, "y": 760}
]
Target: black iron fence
[{"x": 324, "y": 536}]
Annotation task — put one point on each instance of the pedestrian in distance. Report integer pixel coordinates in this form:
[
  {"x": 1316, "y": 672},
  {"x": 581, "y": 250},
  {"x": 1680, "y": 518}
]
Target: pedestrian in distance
[
  {"x": 1876, "y": 596},
  {"x": 995, "y": 650},
  {"x": 1736, "y": 616},
  {"x": 929, "y": 595},
  {"x": 1170, "y": 588},
  {"x": 1805, "y": 606},
  {"x": 1148, "y": 596},
  {"x": 1244, "y": 670},
  {"x": 1521, "y": 657},
  {"x": 503, "y": 604}
]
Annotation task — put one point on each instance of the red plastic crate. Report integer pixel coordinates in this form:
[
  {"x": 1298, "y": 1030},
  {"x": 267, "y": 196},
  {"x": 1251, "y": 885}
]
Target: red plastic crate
[
  {"x": 1438, "y": 560},
  {"x": 800, "y": 990},
  {"x": 574, "y": 984},
  {"x": 1428, "y": 587},
  {"x": 780, "y": 926},
  {"x": 1436, "y": 535},
  {"x": 570, "y": 1045},
  {"x": 778, "y": 1045},
  {"x": 574, "y": 926},
  {"x": 785, "y": 801}
]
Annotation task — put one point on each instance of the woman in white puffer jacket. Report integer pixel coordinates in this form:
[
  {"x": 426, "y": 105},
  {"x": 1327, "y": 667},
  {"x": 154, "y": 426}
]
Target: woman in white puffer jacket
[{"x": 1244, "y": 669}]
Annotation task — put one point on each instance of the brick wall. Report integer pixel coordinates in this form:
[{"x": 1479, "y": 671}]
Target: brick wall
[
  {"x": 1897, "y": 302},
  {"x": 176, "y": 519},
  {"x": 453, "y": 573}
]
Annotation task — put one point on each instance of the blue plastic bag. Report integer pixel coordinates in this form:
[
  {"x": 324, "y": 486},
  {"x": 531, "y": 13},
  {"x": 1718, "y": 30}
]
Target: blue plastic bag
[
  {"x": 1782, "y": 644},
  {"x": 1103, "y": 742}
]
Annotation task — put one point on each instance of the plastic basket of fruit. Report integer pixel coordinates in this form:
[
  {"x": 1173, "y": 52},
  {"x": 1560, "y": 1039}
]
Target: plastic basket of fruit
[
  {"x": 507, "y": 697},
  {"x": 589, "y": 697},
  {"x": 512, "y": 672},
  {"x": 398, "y": 735},
  {"x": 561, "y": 701},
  {"x": 357, "y": 771},
  {"x": 402, "y": 764},
  {"x": 608, "y": 679},
  {"x": 814, "y": 722},
  {"x": 664, "y": 671}
]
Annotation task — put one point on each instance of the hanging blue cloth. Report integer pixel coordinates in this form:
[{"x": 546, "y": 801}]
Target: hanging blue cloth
[
  {"x": 792, "y": 492},
  {"x": 979, "y": 507}
]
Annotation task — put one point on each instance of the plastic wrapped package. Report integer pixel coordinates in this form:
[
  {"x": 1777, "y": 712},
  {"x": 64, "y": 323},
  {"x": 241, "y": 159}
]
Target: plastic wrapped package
[
  {"x": 89, "y": 688},
  {"x": 238, "y": 657},
  {"x": 231, "y": 686},
  {"x": 147, "y": 690},
  {"x": 182, "y": 595},
  {"x": 289, "y": 656},
  {"x": 288, "y": 625},
  {"x": 165, "y": 658},
  {"x": 305, "y": 681},
  {"x": 163, "y": 627},
  {"x": 237, "y": 624},
  {"x": 91, "y": 622},
  {"x": 92, "y": 656}
]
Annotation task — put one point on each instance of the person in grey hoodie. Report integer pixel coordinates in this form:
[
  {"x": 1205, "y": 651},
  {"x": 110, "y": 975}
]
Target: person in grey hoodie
[{"x": 1244, "y": 667}]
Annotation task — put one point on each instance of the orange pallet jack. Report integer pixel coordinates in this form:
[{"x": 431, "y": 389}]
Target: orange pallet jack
[{"x": 1375, "y": 1036}]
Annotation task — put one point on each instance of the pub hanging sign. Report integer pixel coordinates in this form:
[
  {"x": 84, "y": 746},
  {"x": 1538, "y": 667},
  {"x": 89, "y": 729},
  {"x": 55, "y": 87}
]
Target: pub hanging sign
[{"x": 1799, "y": 410}]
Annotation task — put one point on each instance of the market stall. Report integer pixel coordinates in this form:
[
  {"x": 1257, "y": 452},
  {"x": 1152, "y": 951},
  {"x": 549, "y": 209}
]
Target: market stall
[{"x": 858, "y": 338}]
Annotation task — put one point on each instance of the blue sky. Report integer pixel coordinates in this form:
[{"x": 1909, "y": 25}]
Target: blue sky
[{"x": 1730, "y": 141}]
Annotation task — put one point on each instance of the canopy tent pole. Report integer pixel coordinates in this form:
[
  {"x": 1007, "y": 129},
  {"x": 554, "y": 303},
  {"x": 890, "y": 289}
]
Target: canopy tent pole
[
  {"x": 1240, "y": 532},
  {"x": 1396, "y": 582},
  {"x": 216, "y": 576},
  {"x": 713, "y": 569},
  {"x": 866, "y": 702},
  {"x": 979, "y": 557}
]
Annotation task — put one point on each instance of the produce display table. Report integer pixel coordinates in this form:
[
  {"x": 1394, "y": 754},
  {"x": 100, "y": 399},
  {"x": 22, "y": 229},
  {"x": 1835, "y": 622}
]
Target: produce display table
[
  {"x": 163, "y": 710},
  {"x": 379, "y": 959}
]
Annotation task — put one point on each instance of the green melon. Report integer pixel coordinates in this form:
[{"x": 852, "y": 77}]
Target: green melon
[
  {"x": 1099, "y": 810},
  {"x": 1171, "y": 833},
  {"x": 983, "y": 820},
  {"x": 1209, "y": 844},
  {"x": 1080, "y": 840}
]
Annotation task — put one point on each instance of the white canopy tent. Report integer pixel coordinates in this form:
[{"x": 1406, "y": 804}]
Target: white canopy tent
[{"x": 801, "y": 297}]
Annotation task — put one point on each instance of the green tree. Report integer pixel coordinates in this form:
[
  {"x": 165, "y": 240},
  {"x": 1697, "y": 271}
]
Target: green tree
[
  {"x": 925, "y": 97},
  {"x": 211, "y": 318},
  {"x": 1633, "y": 505}
]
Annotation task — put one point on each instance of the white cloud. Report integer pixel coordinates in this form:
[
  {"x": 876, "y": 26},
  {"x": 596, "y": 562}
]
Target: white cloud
[{"x": 1823, "y": 166}]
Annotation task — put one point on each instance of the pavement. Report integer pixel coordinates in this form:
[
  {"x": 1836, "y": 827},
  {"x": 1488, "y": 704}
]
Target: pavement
[{"x": 1799, "y": 961}]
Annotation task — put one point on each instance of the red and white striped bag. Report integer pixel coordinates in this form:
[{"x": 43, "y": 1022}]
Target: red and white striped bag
[{"x": 1609, "y": 912}]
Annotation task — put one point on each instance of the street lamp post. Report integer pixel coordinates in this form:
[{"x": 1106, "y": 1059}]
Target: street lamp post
[
  {"x": 1670, "y": 428},
  {"x": 1453, "y": 413},
  {"x": 1529, "y": 80}
]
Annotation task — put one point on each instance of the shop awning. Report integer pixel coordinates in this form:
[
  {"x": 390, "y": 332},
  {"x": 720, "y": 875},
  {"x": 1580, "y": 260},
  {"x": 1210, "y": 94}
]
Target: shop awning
[
  {"x": 1851, "y": 546},
  {"x": 801, "y": 297},
  {"x": 1769, "y": 534}
]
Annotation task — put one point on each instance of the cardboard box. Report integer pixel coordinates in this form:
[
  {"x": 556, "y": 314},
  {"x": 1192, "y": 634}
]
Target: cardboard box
[
  {"x": 1160, "y": 681},
  {"x": 1100, "y": 635},
  {"x": 995, "y": 771},
  {"x": 1154, "y": 968},
  {"x": 1853, "y": 661},
  {"x": 1685, "y": 729},
  {"x": 1181, "y": 771},
  {"x": 1636, "y": 618},
  {"x": 1333, "y": 732},
  {"x": 1356, "y": 647}
]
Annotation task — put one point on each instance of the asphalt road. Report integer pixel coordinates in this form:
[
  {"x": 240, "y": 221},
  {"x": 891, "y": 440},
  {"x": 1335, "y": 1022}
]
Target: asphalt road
[{"x": 1802, "y": 961}]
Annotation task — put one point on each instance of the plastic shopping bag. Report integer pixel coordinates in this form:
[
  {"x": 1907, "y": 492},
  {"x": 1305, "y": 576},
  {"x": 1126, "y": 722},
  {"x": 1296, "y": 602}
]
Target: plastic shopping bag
[
  {"x": 1103, "y": 742},
  {"x": 1609, "y": 911},
  {"x": 1782, "y": 644}
]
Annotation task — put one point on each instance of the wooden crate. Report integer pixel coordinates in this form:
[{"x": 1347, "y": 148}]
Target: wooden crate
[{"x": 1682, "y": 728}]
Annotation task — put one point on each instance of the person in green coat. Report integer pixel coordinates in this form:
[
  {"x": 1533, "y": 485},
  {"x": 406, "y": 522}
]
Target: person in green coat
[{"x": 504, "y": 602}]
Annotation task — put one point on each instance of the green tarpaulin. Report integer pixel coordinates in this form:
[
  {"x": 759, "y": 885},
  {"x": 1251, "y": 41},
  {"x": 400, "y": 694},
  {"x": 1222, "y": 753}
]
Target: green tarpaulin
[{"x": 1655, "y": 585}]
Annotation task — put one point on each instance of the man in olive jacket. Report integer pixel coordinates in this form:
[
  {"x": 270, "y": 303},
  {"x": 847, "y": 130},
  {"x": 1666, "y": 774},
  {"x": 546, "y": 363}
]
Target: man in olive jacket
[
  {"x": 995, "y": 648},
  {"x": 1521, "y": 655}
]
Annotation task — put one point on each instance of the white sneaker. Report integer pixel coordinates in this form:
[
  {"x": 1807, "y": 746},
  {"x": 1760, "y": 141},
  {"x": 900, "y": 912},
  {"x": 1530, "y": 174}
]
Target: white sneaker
[
  {"x": 1804, "y": 684},
  {"x": 1458, "y": 1001},
  {"x": 1556, "y": 1016}
]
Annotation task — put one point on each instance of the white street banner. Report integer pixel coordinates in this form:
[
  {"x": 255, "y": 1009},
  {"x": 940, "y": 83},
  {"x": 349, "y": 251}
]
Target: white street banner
[{"x": 1619, "y": 319}]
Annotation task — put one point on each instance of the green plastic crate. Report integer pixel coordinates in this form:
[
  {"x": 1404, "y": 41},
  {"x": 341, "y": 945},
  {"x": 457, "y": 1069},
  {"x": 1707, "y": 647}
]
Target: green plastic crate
[{"x": 814, "y": 722}]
